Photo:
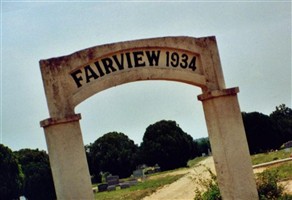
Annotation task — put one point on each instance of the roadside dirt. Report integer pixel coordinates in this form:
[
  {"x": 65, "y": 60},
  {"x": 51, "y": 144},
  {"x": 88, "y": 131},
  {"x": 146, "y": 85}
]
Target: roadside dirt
[
  {"x": 184, "y": 188},
  {"x": 287, "y": 186}
]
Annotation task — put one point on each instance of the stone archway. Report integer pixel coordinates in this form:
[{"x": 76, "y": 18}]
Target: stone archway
[{"x": 71, "y": 79}]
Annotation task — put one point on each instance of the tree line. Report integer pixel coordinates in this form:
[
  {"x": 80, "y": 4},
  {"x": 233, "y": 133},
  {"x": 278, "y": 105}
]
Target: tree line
[
  {"x": 268, "y": 132},
  {"x": 27, "y": 172},
  {"x": 164, "y": 143}
]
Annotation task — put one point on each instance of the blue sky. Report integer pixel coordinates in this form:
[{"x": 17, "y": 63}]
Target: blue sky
[{"x": 254, "y": 41}]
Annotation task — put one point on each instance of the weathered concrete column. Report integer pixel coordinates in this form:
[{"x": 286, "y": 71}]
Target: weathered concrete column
[
  {"x": 229, "y": 145},
  {"x": 67, "y": 158}
]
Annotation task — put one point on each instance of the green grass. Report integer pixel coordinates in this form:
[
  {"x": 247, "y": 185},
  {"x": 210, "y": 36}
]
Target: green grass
[
  {"x": 271, "y": 156},
  {"x": 138, "y": 191},
  {"x": 195, "y": 161},
  {"x": 284, "y": 169}
]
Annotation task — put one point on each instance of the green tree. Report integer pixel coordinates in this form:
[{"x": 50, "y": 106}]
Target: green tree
[
  {"x": 260, "y": 133},
  {"x": 114, "y": 153},
  {"x": 94, "y": 169},
  {"x": 166, "y": 144},
  {"x": 265, "y": 132},
  {"x": 38, "y": 181},
  {"x": 282, "y": 121},
  {"x": 10, "y": 175},
  {"x": 203, "y": 145}
]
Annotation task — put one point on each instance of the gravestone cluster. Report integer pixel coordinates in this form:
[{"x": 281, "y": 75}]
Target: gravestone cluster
[{"x": 113, "y": 182}]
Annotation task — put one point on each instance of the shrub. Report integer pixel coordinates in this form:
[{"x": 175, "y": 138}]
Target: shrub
[
  {"x": 267, "y": 186},
  {"x": 212, "y": 191}
]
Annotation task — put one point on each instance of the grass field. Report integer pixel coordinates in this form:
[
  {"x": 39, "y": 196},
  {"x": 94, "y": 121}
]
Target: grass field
[
  {"x": 138, "y": 191},
  {"x": 271, "y": 156},
  {"x": 284, "y": 170},
  {"x": 195, "y": 161},
  {"x": 149, "y": 186}
]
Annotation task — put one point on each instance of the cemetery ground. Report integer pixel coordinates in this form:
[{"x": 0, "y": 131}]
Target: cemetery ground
[{"x": 182, "y": 183}]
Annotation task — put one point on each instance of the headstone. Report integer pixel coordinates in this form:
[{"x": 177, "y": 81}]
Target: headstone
[
  {"x": 124, "y": 185},
  {"x": 111, "y": 188},
  {"x": 94, "y": 190},
  {"x": 150, "y": 171},
  {"x": 209, "y": 152},
  {"x": 288, "y": 144},
  {"x": 102, "y": 187},
  {"x": 133, "y": 182},
  {"x": 138, "y": 173},
  {"x": 156, "y": 168},
  {"x": 112, "y": 180}
]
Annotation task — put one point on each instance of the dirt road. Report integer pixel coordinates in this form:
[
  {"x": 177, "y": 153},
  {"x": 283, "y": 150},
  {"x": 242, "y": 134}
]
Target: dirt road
[{"x": 184, "y": 188}]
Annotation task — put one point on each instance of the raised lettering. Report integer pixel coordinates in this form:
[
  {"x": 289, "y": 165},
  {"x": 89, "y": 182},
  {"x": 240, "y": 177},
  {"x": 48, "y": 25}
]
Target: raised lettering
[
  {"x": 119, "y": 64},
  {"x": 138, "y": 59},
  {"x": 89, "y": 73},
  {"x": 129, "y": 60},
  {"x": 184, "y": 61},
  {"x": 174, "y": 59},
  {"x": 167, "y": 59},
  {"x": 192, "y": 64},
  {"x": 77, "y": 79},
  {"x": 108, "y": 65},
  {"x": 101, "y": 73},
  {"x": 133, "y": 58},
  {"x": 153, "y": 58}
]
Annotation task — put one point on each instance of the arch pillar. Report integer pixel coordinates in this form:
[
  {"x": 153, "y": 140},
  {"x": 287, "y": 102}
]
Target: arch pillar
[
  {"x": 229, "y": 145},
  {"x": 67, "y": 157}
]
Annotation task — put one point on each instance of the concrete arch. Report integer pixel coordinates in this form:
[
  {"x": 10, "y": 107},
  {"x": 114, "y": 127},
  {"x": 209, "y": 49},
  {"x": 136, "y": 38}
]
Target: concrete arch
[{"x": 69, "y": 80}]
